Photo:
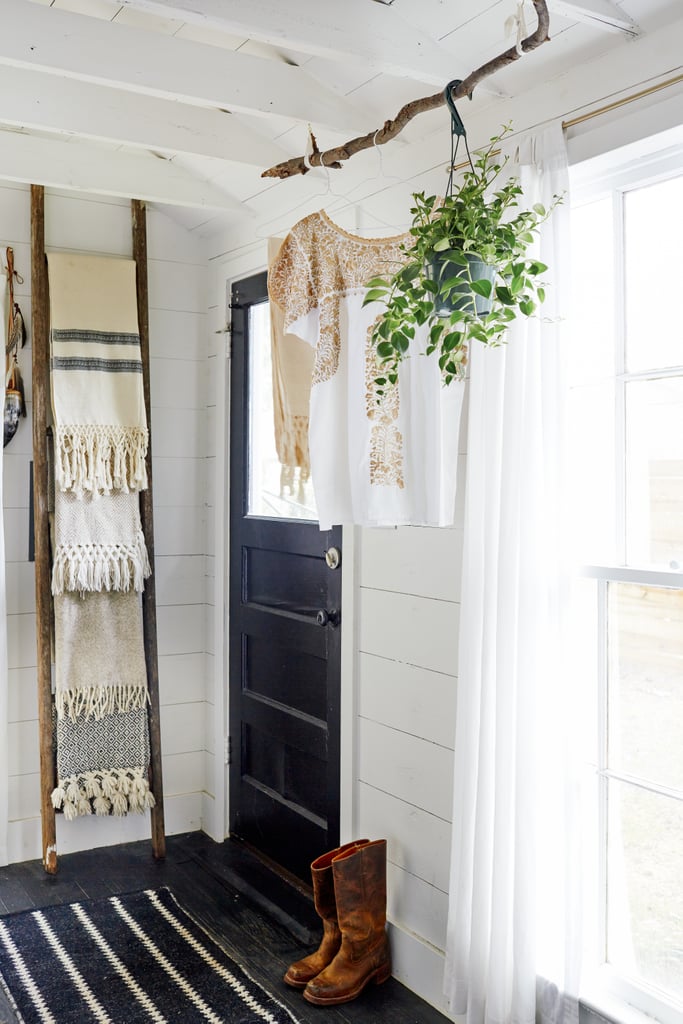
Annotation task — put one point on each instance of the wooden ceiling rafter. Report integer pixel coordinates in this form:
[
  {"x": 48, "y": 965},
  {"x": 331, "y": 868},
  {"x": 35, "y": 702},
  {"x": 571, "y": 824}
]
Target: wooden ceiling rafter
[{"x": 334, "y": 157}]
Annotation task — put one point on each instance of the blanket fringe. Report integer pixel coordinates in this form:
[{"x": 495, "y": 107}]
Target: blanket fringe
[
  {"x": 98, "y": 701},
  {"x": 100, "y": 459},
  {"x": 98, "y": 567},
  {"x": 116, "y": 791}
]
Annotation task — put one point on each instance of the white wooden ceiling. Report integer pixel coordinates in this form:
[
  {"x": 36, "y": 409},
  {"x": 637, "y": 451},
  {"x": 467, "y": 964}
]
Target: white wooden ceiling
[{"x": 185, "y": 102}]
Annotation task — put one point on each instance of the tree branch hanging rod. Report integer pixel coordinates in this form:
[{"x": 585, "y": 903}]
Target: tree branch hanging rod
[{"x": 390, "y": 129}]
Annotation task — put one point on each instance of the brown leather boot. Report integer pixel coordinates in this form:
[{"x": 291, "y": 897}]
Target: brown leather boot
[
  {"x": 300, "y": 973},
  {"x": 360, "y": 889}
]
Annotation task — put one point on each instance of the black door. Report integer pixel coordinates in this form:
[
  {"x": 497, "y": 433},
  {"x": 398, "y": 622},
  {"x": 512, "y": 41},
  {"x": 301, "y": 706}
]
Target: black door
[{"x": 285, "y": 599}]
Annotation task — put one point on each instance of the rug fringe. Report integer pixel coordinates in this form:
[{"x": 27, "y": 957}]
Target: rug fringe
[
  {"x": 100, "y": 459},
  {"x": 98, "y": 567},
  {"x": 99, "y": 701},
  {"x": 117, "y": 791}
]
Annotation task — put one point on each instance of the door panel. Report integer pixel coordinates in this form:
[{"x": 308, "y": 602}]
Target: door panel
[{"x": 284, "y": 627}]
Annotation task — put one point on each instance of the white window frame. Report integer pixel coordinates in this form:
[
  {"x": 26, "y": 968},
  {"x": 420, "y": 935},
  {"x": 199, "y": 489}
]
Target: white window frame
[{"x": 606, "y": 989}]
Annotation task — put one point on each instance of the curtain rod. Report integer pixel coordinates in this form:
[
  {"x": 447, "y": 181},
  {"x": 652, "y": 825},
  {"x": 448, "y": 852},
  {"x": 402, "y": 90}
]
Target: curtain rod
[
  {"x": 581, "y": 118},
  {"x": 622, "y": 102}
]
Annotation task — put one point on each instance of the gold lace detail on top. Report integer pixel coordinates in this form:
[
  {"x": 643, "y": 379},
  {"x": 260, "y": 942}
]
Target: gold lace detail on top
[
  {"x": 317, "y": 266},
  {"x": 386, "y": 440}
]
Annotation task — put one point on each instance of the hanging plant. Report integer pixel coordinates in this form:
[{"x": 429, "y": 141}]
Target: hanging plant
[{"x": 466, "y": 274}]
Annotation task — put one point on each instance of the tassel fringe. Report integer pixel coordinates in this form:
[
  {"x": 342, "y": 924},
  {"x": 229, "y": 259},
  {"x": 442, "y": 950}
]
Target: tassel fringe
[
  {"x": 117, "y": 791},
  {"x": 98, "y": 567},
  {"x": 98, "y": 701},
  {"x": 100, "y": 459}
]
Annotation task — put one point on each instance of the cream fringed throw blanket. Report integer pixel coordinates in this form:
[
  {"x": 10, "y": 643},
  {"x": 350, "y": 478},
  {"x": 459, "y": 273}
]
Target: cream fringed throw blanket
[
  {"x": 292, "y": 375},
  {"x": 101, "y": 705},
  {"x": 97, "y": 393},
  {"x": 99, "y": 654},
  {"x": 99, "y": 543}
]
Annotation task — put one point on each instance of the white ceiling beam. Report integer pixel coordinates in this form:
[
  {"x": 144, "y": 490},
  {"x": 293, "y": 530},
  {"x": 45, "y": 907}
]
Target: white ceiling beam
[
  {"x": 83, "y": 168},
  {"x": 600, "y": 13},
  {"x": 371, "y": 34},
  {"x": 91, "y": 49},
  {"x": 33, "y": 99}
]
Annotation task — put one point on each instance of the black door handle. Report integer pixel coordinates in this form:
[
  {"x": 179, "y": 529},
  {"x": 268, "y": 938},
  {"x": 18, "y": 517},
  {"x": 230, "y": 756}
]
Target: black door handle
[{"x": 325, "y": 618}]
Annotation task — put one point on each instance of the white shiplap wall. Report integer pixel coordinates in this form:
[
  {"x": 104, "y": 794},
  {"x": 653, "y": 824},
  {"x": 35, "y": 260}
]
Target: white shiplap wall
[{"x": 177, "y": 300}]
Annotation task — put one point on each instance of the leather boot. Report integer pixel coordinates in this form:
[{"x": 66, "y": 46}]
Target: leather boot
[
  {"x": 360, "y": 889},
  {"x": 299, "y": 974}
]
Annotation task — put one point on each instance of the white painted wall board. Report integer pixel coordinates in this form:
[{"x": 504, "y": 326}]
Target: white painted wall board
[
  {"x": 387, "y": 42},
  {"x": 65, "y": 230},
  {"x": 415, "y": 630},
  {"x": 20, "y": 588},
  {"x": 179, "y": 579},
  {"x": 178, "y": 383},
  {"x": 176, "y": 286},
  {"x": 24, "y": 796},
  {"x": 180, "y": 629},
  {"x": 210, "y": 662},
  {"x": 420, "y": 561},
  {"x": 22, "y": 741},
  {"x": 407, "y": 767},
  {"x": 416, "y": 840},
  {"x": 412, "y": 700},
  {"x": 176, "y": 335},
  {"x": 417, "y": 906},
  {"x": 209, "y": 737},
  {"x": 178, "y": 436},
  {"x": 16, "y": 534},
  {"x": 182, "y": 678},
  {"x": 86, "y": 167},
  {"x": 182, "y": 728},
  {"x": 177, "y": 69},
  {"x": 15, "y": 467},
  {"x": 183, "y": 773},
  {"x": 21, "y": 640},
  {"x": 419, "y": 966},
  {"x": 32, "y": 99},
  {"x": 177, "y": 482},
  {"x": 181, "y": 533},
  {"x": 23, "y": 695}
]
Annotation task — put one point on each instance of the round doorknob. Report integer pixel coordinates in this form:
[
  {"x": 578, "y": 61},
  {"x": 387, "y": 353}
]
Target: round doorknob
[{"x": 325, "y": 618}]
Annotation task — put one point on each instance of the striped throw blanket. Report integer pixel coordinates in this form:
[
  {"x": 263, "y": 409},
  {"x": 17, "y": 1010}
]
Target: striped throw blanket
[{"x": 97, "y": 393}]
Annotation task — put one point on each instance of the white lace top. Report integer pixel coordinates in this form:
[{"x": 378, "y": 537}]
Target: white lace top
[{"x": 387, "y": 464}]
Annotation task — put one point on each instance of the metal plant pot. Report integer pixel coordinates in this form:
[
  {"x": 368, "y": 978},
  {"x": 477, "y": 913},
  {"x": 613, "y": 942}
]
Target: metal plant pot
[{"x": 461, "y": 297}]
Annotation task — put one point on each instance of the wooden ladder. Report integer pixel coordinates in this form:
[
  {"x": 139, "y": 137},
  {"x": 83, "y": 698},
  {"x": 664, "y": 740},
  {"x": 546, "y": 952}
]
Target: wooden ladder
[{"x": 41, "y": 400}]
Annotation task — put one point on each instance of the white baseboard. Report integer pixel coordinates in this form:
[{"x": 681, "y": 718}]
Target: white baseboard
[{"x": 419, "y": 966}]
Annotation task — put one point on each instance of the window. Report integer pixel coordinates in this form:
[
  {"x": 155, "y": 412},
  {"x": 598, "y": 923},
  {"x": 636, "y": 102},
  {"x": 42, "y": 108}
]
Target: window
[{"x": 626, "y": 423}]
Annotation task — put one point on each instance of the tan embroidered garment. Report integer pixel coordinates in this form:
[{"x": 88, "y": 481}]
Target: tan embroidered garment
[
  {"x": 373, "y": 464},
  {"x": 292, "y": 373}
]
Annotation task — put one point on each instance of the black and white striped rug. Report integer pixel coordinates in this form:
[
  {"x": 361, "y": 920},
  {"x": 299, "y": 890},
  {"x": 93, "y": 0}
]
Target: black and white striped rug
[{"x": 125, "y": 960}]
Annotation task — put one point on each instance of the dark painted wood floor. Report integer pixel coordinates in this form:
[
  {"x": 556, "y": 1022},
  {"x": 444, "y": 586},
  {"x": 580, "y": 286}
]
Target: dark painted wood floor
[{"x": 263, "y": 923}]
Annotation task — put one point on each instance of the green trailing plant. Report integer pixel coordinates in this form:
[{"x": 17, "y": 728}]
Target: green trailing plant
[{"x": 439, "y": 284}]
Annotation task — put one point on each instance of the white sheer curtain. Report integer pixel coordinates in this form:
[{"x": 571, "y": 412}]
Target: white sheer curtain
[
  {"x": 4, "y": 810},
  {"x": 512, "y": 905}
]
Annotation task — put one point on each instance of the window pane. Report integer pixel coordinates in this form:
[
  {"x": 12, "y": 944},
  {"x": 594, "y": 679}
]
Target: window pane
[
  {"x": 654, "y": 272},
  {"x": 274, "y": 490},
  {"x": 592, "y": 439},
  {"x": 644, "y": 894},
  {"x": 654, "y": 472},
  {"x": 592, "y": 312},
  {"x": 645, "y": 683}
]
